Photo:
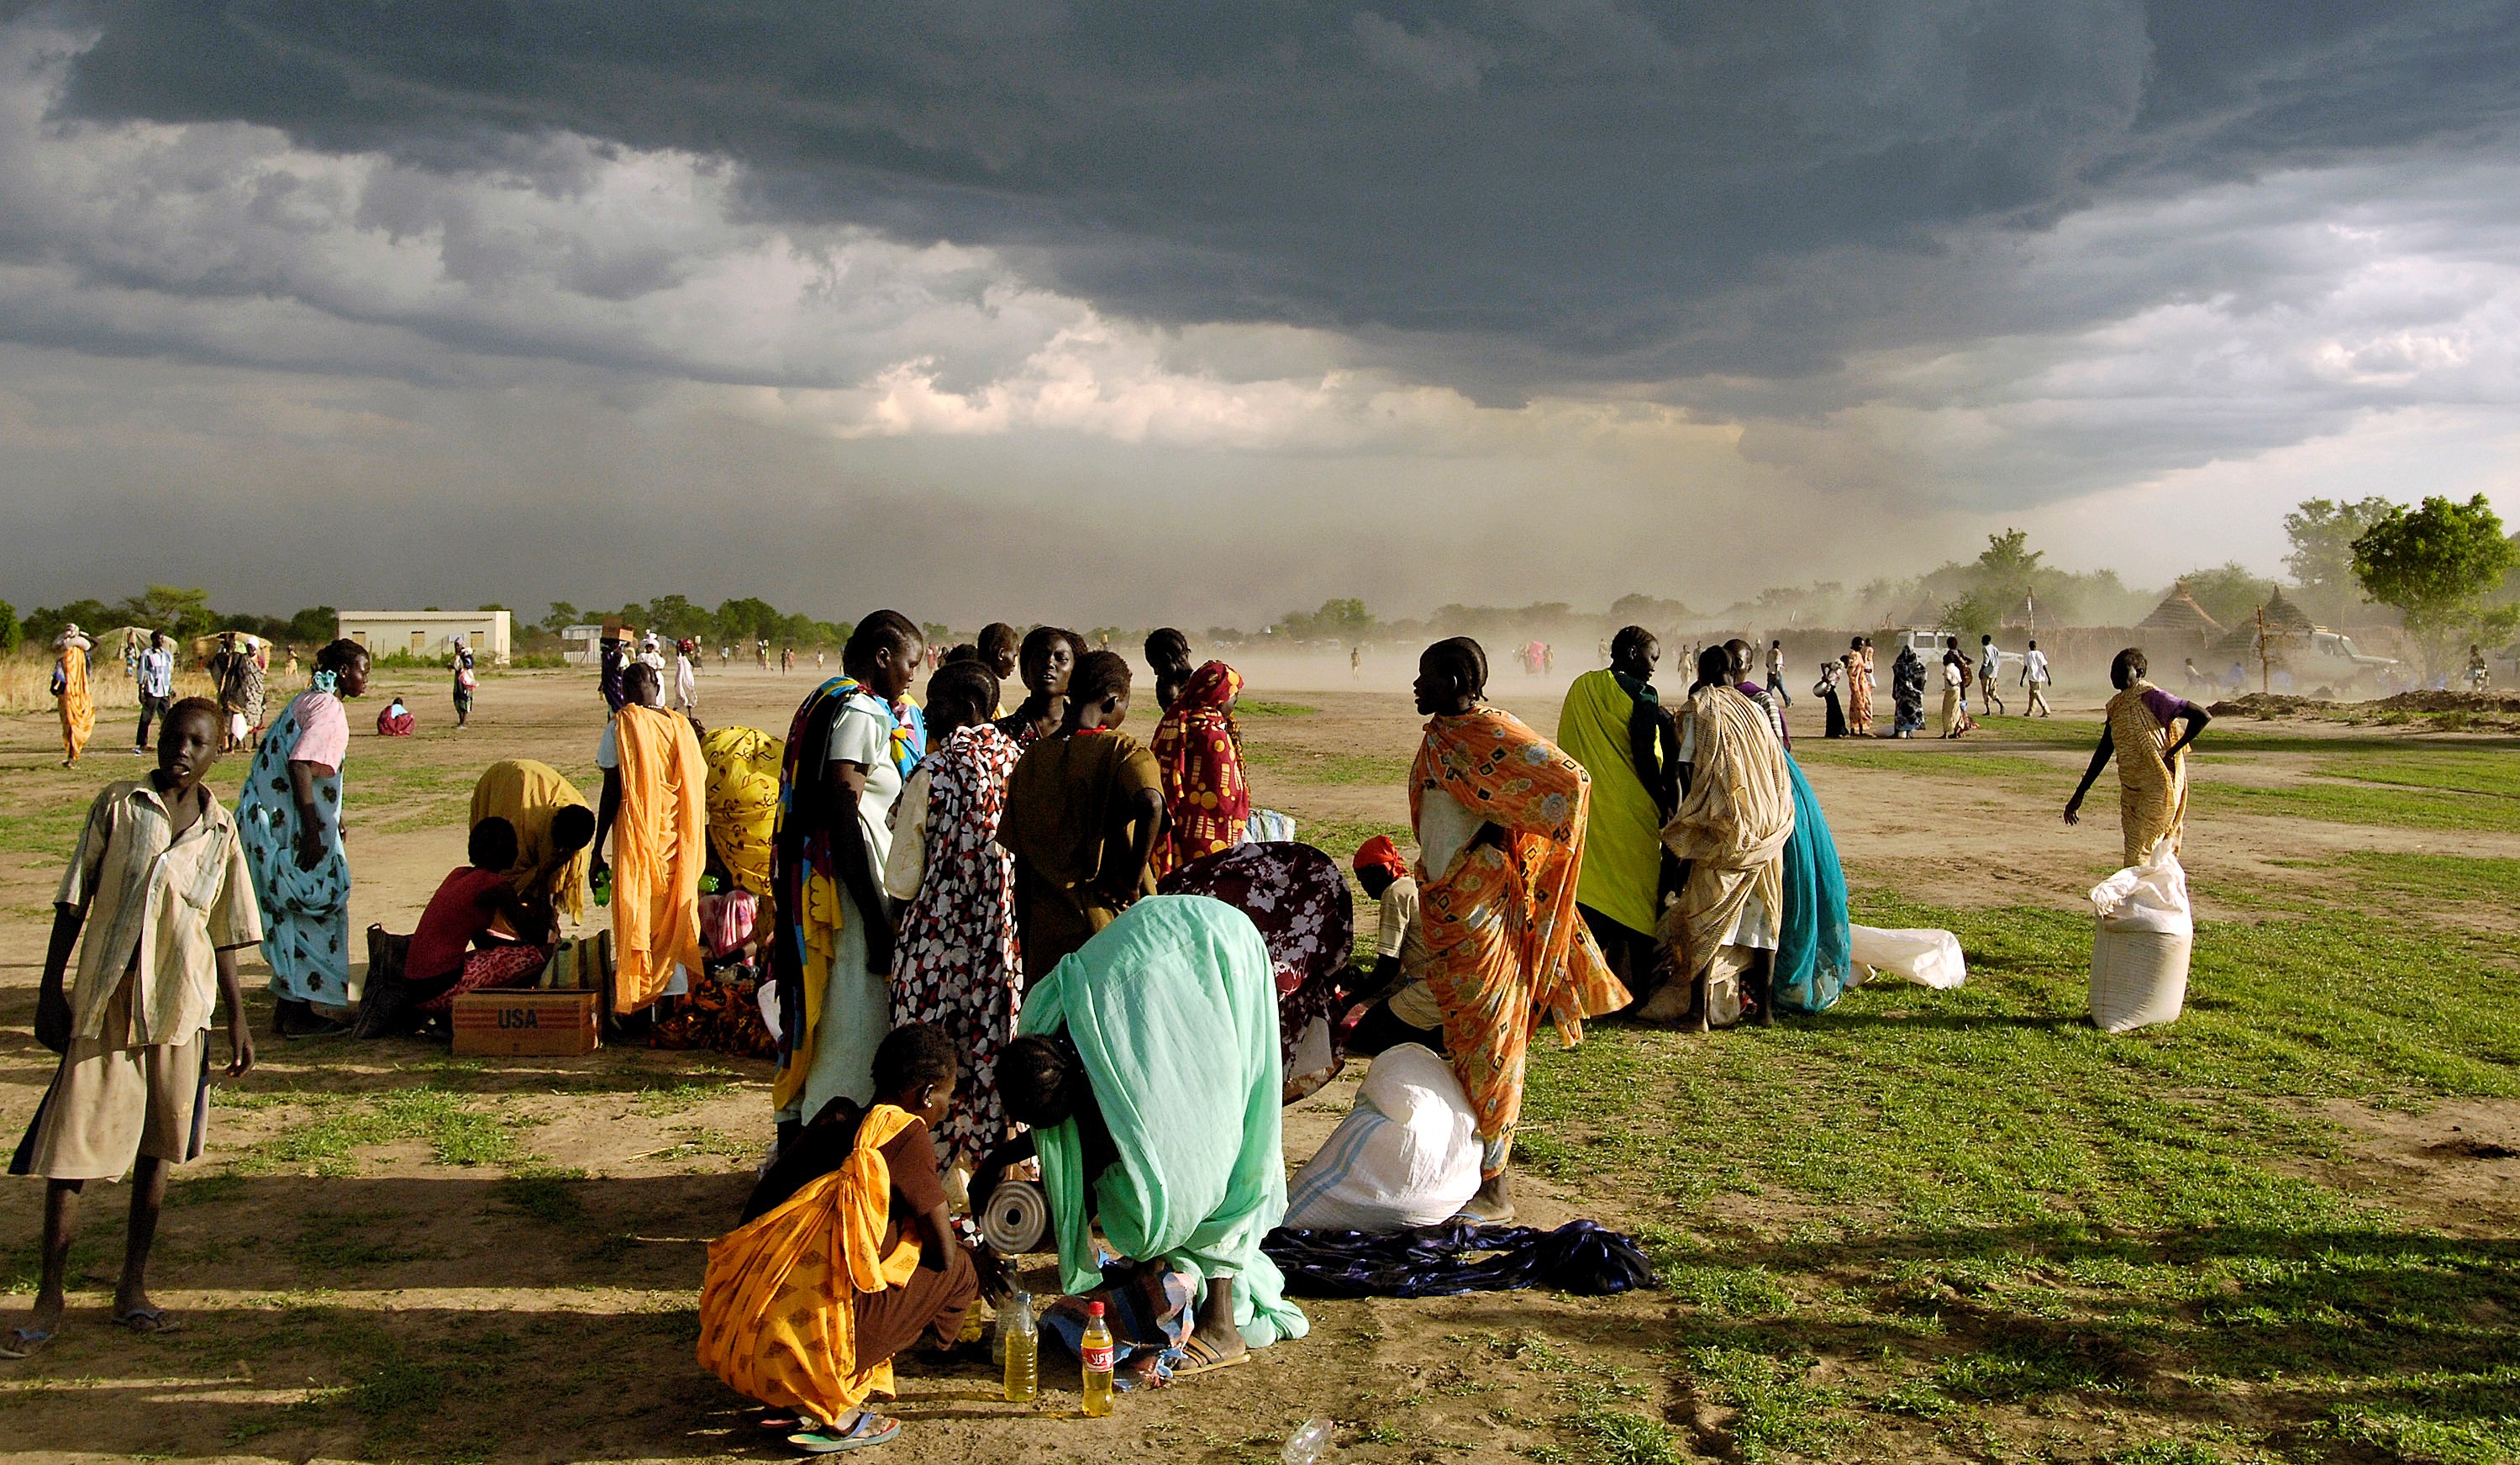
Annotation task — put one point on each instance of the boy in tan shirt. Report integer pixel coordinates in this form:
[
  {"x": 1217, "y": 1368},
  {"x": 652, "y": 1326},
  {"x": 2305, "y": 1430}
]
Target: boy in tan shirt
[{"x": 160, "y": 870}]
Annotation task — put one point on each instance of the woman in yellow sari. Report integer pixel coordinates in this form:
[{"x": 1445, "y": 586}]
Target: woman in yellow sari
[
  {"x": 70, "y": 693},
  {"x": 1500, "y": 815},
  {"x": 846, "y": 1256},
  {"x": 2152, "y": 779}
]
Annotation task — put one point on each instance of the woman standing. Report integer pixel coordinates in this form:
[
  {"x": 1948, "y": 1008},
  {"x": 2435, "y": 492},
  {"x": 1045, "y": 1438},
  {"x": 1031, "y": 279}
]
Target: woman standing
[
  {"x": 1858, "y": 662},
  {"x": 1831, "y": 674},
  {"x": 1199, "y": 750},
  {"x": 71, "y": 696},
  {"x": 958, "y": 966},
  {"x": 1906, "y": 693},
  {"x": 853, "y": 744},
  {"x": 289, "y": 816},
  {"x": 1048, "y": 659},
  {"x": 2152, "y": 779}
]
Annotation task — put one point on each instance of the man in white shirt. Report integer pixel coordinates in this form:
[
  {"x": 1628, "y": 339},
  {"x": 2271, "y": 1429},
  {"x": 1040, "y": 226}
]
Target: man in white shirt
[
  {"x": 155, "y": 676},
  {"x": 1989, "y": 665},
  {"x": 2034, "y": 675},
  {"x": 1777, "y": 674}
]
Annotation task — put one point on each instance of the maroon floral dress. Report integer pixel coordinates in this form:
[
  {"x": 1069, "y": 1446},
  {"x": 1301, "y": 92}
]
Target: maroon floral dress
[
  {"x": 957, "y": 964},
  {"x": 1299, "y": 897}
]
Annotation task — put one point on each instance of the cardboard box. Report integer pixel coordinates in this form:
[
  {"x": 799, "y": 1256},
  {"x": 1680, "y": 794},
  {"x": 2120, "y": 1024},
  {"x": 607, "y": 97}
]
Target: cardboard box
[{"x": 543, "y": 1023}]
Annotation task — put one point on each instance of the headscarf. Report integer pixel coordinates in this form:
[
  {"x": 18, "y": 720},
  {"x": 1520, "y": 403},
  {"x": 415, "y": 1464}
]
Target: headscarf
[
  {"x": 1199, "y": 754},
  {"x": 1379, "y": 853}
]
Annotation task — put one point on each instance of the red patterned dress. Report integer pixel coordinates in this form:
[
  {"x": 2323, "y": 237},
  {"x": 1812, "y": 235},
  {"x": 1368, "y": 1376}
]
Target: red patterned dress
[{"x": 1206, "y": 800}]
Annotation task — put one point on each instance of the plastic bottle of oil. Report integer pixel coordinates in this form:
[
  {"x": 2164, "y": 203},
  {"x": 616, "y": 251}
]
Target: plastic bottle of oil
[
  {"x": 1021, "y": 1340},
  {"x": 1096, "y": 1351}
]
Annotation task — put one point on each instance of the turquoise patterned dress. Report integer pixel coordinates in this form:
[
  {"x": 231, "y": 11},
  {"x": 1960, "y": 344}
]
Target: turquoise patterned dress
[{"x": 306, "y": 913}]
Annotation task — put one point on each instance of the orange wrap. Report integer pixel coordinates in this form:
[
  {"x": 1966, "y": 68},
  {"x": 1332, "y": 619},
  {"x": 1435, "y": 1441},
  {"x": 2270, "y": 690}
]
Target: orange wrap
[
  {"x": 77, "y": 706},
  {"x": 778, "y": 1315},
  {"x": 1503, "y": 937},
  {"x": 659, "y": 847}
]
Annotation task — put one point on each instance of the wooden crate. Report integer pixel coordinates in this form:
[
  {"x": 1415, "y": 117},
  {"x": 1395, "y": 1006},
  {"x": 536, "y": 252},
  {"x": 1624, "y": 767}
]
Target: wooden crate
[{"x": 543, "y": 1023}]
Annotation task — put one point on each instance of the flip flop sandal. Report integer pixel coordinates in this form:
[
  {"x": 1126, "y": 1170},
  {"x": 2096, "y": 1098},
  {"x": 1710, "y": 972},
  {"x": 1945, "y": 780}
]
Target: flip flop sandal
[
  {"x": 1196, "y": 1357},
  {"x": 25, "y": 1343},
  {"x": 149, "y": 1321},
  {"x": 823, "y": 1442}
]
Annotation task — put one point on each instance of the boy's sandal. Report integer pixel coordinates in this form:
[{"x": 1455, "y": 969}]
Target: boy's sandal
[
  {"x": 871, "y": 1430},
  {"x": 25, "y": 1343},
  {"x": 149, "y": 1320}
]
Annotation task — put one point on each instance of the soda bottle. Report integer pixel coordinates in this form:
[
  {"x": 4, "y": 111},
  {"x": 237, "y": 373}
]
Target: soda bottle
[
  {"x": 603, "y": 883},
  {"x": 1021, "y": 1341},
  {"x": 1096, "y": 1351}
]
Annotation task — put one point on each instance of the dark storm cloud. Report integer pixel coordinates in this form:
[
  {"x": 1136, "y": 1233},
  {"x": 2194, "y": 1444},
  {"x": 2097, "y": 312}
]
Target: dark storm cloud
[{"x": 1572, "y": 190}]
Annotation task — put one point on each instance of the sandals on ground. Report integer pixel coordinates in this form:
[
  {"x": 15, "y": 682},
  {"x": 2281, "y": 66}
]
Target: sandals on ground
[
  {"x": 149, "y": 1320},
  {"x": 1199, "y": 1357},
  {"x": 25, "y": 1343},
  {"x": 871, "y": 1430}
]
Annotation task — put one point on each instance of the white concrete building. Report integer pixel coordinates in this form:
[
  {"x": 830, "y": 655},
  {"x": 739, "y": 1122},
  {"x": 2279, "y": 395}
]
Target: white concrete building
[{"x": 431, "y": 633}]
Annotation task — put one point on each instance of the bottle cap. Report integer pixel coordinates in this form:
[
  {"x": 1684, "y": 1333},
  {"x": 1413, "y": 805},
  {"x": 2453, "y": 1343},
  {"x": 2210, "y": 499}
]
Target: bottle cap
[{"x": 1094, "y": 1310}]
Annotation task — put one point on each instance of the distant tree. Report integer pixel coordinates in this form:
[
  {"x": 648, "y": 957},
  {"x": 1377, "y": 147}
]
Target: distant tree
[
  {"x": 178, "y": 611},
  {"x": 10, "y": 633},
  {"x": 2229, "y": 593},
  {"x": 674, "y": 618},
  {"x": 2008, "y": 574},
  {"x": 561, "y": 617},
  {"x": 2436, "y": 564},
  {"x": 1343, "y": 621},
  {"x": 1975, "y": 613},
  {"x": 45, "y": 623},
  {"x": 2322, "y": 532},
  {"x": 938, "y": 634},
  {"x": 746, "y": 619},
  {"x": 315, "y": 626},
  {"x": 1651, "y": 611}
]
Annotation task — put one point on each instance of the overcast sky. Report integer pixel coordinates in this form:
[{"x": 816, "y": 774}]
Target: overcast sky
[{"x": 1129, "y": 313}]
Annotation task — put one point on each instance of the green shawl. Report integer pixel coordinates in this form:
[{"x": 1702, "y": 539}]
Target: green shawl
[{"x": 1174, "y": 1009}]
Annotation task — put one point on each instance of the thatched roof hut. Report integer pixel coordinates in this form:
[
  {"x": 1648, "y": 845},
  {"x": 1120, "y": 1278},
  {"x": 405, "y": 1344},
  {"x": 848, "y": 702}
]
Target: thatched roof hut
[{"x": 2178, "y": 614}]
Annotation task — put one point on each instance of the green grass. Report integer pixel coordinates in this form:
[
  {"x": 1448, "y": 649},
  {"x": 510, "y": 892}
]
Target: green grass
[
  {"x": 2429, "y": 877},
  {"x": 2496, "y": 774},
  {"x": 1272, "y": 710},
  {"x": 1315, "y": 765},
  {"x": 1969, "y": 1203},
  {"x": 326, "y": 1142},
  {"x": 2355, "y": 803}
]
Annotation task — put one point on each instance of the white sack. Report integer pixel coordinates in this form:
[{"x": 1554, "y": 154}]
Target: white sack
[
  {"x": 2150, "y": 896},
  {"x": 1407, "y": 1155},
  {"x": 2141, "y": 944},
  {"x": 1925, "y": 957}
]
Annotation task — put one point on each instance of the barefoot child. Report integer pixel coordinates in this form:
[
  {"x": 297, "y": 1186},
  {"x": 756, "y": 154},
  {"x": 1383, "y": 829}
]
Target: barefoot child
[{"x": 160, "y": 863}]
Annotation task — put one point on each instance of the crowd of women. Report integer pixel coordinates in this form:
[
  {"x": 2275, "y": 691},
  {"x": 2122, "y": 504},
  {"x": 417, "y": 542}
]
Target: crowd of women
[{"x": 980, "y": 939}]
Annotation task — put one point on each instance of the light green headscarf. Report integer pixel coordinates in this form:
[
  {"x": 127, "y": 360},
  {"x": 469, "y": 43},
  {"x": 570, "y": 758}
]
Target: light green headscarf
[{"x": 1174, "y": 1009}]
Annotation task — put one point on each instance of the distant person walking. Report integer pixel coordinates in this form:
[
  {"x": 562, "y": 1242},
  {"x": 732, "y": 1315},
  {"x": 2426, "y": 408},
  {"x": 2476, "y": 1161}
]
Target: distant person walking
[
  {"x": 687, "y": 678},
  {"x": 2035, "y": 677},
  {"x": 1831, "y": 673},
  {"x": 1777, "y": 674},
  {"x": 289, "y": 816},
  {"x": 2152, "y": 779},
  {"x": 1906, "y": 693},
  {"x": 466, "y": 682},
  {"x": 615, "y": 659},
  {"x": 1990, "y": 665},
  {"x": 154, "y": 677},
  {"x": 71, "y": 694}
]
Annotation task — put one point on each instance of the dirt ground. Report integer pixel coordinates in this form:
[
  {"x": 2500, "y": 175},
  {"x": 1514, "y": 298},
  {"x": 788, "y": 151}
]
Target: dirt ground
[{"x": 353, "y": 1287}]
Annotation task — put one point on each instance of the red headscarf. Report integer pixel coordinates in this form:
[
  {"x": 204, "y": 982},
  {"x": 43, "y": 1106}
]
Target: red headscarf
[
  {"x": 1206, "y": 800},
  {"x": 1379, "y": 853}
]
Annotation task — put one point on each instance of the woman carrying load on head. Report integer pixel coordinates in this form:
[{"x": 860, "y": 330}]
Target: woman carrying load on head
[
  {"x": 2152, "y": 778},
  {"x": 957, "y": 964},
  {"x": 289, "y": 815},
  {"x": 71, "y": 696},
  {"x": 1199, "y": 752},
  {"x": 853, "y": 744},
  {"x": 1148, "y": 1074}
]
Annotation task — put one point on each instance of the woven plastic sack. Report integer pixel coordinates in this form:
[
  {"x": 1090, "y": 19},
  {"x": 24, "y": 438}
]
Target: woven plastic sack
[
  {"x": 1407, "y": 1155},
  {"x": 2142, "y": 940},
  {"x": 1923, "y": 956}
]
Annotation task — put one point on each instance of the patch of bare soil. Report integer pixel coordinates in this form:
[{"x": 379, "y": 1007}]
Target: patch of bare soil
[{"x": 2455, "y": 1164}]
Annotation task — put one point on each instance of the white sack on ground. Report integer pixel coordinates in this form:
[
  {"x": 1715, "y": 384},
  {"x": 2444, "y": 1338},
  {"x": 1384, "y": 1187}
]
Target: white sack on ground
[
  {"x": 1407, "y": 1155},
  {"x": 2140, "y": 945},
  {"x": 1923, "y": 956}
]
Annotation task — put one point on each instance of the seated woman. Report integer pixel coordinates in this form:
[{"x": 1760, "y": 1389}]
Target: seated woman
[
  {"x": 771, "y": 1323},
  {"x": 394, "y": 720},
  {"x": 477, "y": 933},
  {"x": 1148, "y": 1073}
]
